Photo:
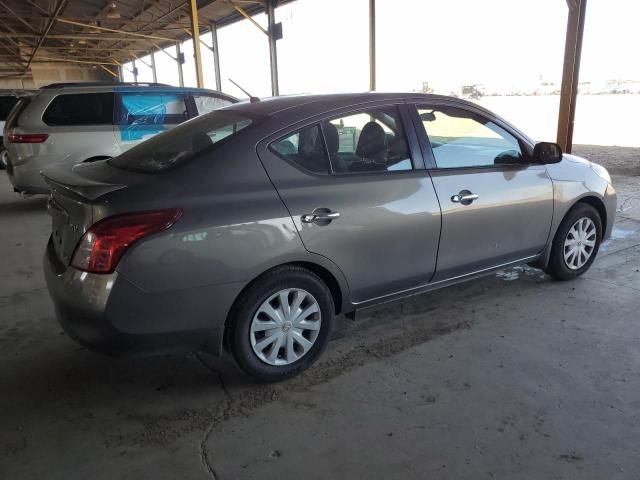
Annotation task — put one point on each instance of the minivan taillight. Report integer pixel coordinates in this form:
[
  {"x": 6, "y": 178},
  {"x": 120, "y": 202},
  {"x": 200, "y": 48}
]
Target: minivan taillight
[
  {"x": 27, "y": 137},
  {"x": 102, "y": 246}
]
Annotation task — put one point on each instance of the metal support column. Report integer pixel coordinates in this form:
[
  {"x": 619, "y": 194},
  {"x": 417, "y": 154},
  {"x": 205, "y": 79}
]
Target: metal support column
[
  {"x": 570, "y": 73},
  {"x": 372, "y": 45},
  {"x": 153, "y": 66},
  {"x": 216, "y": 55},
  {"x": 180, "y": 60},
  {"x": 195, "y": 29},
  {"x": 273, "y": 51},
  {"x": 135, "y": 71}
]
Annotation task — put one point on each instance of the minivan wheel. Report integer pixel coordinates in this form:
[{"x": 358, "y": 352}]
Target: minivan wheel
[
  {"x": 576, "y": 243},
  {"x": 4, "y": 157},
  {"x": 281, "y": 324}
]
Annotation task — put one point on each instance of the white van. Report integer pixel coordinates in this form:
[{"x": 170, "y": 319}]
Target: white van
[{"x": 85, "y": 122}]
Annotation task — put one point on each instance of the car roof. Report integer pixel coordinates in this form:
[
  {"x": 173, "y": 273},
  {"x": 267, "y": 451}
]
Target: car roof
[
  {"x": 298, "y": 107},
  {"x": 272, "y": 105}
]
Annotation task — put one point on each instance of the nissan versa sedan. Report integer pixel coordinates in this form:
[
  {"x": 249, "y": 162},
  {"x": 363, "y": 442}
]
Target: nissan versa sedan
[{"x": 250, "y": 228}]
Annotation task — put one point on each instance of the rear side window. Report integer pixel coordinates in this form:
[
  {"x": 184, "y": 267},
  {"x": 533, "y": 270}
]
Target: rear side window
[
  {"x": 176, "y": 146},
  {"x": 209, "y": 103},
  {"x": 80, "y": 109},
  {"x": 151, "y": 109},
  {"x": 370, "y": 141},
  {"x": 7, "y": 102},
  {"x": 305, "y": 149}
]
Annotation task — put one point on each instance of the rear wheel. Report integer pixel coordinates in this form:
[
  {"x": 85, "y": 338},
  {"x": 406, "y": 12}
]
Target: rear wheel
[
  {"x": 281, "y": 324},
  {"x": 4, "y": 157},
  {"x": 576, "y": 243}
]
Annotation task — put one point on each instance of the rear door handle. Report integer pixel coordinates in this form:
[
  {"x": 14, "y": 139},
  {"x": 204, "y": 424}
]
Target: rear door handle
[
  {"x": 465, "y": 197},
  {"x": 320, "y": 215}
]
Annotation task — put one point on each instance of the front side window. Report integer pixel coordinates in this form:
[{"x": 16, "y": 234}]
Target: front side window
[
  {"x": 80, "y": 109},
  {"x": 460, "y": 138},
  {"x": 371, "y": 141},
  {"x": 178, "y": 145},
  {"x": 209, "y": 103}
]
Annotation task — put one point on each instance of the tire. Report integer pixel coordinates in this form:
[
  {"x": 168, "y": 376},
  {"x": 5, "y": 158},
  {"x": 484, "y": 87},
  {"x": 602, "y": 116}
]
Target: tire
[
  {"x": 249, "y": 342},
  {"x": 562, "y": 268},
  {"x": 4, "y": 157}
]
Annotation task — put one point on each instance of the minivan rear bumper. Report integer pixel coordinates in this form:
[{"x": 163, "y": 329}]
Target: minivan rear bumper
[
  {"x": 26, "y": 177},
  {"x": 90, "y": 309}
]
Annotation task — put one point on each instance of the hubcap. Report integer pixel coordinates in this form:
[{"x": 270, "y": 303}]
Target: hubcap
[
  {"x": 4, "y": 158},
  {"x": 285, "y": 326},
  {"x": 580, "y": 243}
]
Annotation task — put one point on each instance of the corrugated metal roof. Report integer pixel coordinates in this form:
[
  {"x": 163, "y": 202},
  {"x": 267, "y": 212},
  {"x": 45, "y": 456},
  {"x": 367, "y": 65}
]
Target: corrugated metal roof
[{"x": 101, "y": 31}]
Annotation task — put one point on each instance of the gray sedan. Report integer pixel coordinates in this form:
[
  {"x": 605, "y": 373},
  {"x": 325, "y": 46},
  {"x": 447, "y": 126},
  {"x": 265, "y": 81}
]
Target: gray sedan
[{"x": 250, "y": 228}]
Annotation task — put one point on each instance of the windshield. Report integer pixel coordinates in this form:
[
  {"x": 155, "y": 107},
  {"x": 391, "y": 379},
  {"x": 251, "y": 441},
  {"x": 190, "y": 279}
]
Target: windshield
[{"x": 181, "y": 143}]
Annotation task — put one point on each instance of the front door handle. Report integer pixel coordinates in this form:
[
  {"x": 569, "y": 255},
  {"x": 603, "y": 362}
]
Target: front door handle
[
  {"x": 320, "y": 215},
  {"x": 465, "y": 197}
]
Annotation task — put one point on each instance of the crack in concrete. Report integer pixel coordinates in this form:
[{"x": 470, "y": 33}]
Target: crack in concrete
[
  {"x": 362, "y": 353},
  {"x": 204, "y": 456}
]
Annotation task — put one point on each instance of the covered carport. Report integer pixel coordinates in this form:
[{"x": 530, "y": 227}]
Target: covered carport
[
  {"x": 76, "y": 40},
  {"x": 511, "y": 376}
]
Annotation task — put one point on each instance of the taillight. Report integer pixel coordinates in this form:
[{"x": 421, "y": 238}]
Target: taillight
[
  {"x": 27, "y": 137},
  {"x": 102, "y": 246}
]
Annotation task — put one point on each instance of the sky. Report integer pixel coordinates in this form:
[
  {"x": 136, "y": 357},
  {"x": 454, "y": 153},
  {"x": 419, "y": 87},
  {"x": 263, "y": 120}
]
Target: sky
[{"x": 500, "y": 44}]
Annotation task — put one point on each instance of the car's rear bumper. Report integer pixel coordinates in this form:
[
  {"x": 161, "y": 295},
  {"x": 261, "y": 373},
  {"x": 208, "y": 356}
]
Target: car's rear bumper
[{"x": 111, "y": 315}]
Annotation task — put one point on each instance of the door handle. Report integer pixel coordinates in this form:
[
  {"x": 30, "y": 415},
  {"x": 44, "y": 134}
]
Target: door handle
[
  {"x": 465, "y": 197},
  {"x": 319, "y": 216}
]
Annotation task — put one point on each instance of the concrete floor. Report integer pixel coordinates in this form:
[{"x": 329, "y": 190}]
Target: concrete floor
[{"x": 512, "y": 376}]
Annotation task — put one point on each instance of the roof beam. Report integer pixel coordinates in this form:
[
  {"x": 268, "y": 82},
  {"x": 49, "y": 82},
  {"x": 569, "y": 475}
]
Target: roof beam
[{"x": 61, "y": 5}]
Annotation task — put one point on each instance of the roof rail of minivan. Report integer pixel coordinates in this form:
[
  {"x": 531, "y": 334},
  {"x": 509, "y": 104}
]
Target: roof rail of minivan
[{"x": 102, "y": 84}]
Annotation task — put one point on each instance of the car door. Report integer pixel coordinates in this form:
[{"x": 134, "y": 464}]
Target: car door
[
  {"x": 356, "y": 188},
  {"x": 497, "y": 205}
]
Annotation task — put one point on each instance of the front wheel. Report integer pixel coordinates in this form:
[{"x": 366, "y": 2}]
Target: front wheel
[
  {"x": 576, "y": 243},
  {"x": 281, "y": 324}
]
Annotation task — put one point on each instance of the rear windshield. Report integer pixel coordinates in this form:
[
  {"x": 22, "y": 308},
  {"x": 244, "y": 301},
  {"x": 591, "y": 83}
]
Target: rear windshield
[
  {"x": 176, "y": 146},
  {"x": 6, "y": 104}
]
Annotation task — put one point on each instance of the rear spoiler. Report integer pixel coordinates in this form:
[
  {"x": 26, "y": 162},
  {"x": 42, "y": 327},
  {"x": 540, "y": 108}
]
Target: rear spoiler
[{"x": 66, "y": 178}]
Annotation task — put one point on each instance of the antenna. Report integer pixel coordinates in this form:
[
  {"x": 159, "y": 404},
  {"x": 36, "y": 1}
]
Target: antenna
[{"x": 251, "y": 97}]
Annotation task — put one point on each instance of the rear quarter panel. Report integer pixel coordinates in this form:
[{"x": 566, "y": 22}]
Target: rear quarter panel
[{"x": 234, "y": 227}]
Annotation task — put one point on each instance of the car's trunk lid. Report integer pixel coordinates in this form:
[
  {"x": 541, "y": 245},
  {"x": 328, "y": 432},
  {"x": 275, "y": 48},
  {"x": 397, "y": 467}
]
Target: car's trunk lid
[{"x": 70, "y": 206}]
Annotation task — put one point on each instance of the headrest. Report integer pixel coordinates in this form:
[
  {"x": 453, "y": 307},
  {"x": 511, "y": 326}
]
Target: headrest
[
  {"x": 331, "y": 137},
  {"x": 372, "y": 140},
  {"x": 310, "y": 142}
]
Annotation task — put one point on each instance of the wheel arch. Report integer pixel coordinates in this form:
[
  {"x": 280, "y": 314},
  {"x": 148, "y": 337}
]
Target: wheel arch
[
  {"x": 589, "y": 199},
  {"x": 337, "y": 291}
]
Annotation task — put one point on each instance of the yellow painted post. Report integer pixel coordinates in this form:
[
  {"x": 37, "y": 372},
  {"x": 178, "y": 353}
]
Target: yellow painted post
[{"x": 196, "y": 42}]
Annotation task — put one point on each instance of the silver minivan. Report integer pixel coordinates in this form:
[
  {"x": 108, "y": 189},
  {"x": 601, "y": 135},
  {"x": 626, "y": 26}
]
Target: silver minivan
[{"x": 84, "y": 122}]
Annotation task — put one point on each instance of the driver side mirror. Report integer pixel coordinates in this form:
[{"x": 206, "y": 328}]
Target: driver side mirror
[{"x": 547, "y": 152}]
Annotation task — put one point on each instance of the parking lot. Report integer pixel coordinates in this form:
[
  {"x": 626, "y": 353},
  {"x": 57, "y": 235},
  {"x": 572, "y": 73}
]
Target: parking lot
[{"x": 495, "y": 378}]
